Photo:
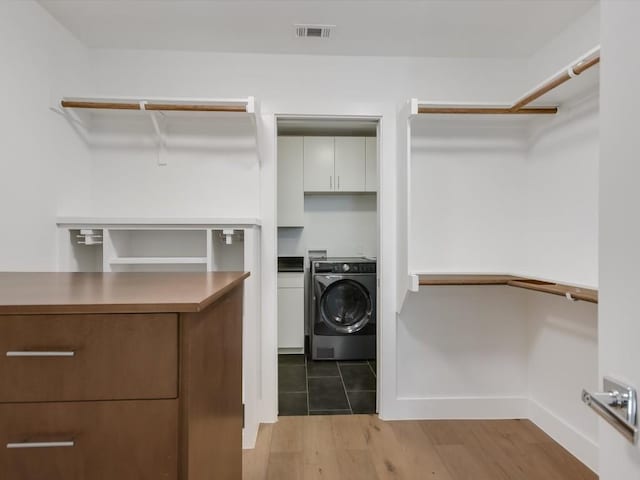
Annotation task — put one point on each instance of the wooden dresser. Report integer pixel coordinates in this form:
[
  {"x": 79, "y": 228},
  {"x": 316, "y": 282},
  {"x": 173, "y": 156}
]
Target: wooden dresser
[{"x": 121, "y": 376}]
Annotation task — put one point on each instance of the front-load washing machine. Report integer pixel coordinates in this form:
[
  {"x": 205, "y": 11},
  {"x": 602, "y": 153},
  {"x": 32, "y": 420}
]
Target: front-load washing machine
[{"x": 343, "y": 309}]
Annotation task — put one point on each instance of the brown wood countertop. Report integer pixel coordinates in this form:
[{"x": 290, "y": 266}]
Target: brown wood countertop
[{"x": 63, "y": 293}]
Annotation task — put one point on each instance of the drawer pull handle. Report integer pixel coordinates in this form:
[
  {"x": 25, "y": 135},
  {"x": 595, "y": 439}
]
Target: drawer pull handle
[
  {"x": 30, "y": 353},
  {"x": 41, "y": 444}
]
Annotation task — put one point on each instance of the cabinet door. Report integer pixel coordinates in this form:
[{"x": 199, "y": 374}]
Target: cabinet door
[
  {"x": 291, "y": 317},
  {"x": 371, "y": 170},
  {"x": 123, "y": 440},
  {"x": 350, "y": 164},
  {"x": 318, "y": 164},
  {"x": 98, "y": 357},
  {"x": 290, "y": 182}
]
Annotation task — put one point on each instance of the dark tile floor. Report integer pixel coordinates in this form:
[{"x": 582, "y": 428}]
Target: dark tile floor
[{"x": 308, "y": 387}]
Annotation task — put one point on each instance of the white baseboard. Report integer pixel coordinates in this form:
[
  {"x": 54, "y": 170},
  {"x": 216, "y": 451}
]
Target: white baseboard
[
  {"x": 437, "y": 408},
  {"x": 249, "y": 437},
  {"x": 579, "y": 445}
]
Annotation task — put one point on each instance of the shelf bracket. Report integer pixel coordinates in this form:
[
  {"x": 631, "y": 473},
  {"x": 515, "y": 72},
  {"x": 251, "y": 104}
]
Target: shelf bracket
[
  {"x": 228, "y": 235},
  {"x": 414, "y": 282},
  {"x": 156, "y": 118}
]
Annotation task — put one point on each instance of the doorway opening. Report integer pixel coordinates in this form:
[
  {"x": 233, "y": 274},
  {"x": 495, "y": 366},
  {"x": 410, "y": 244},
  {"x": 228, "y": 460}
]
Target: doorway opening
[{"x": 328, "y": 251}]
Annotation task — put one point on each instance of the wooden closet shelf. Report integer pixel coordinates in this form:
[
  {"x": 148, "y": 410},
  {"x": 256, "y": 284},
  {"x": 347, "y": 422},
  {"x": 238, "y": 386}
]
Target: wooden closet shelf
[
  {"x": 455, "y": 279},
  {"x": 577, "y": 293}
]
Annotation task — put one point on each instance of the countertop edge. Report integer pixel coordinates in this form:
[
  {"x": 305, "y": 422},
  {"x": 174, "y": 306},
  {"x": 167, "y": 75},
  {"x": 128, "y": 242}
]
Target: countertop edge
[{"x": 123, "y": 308}]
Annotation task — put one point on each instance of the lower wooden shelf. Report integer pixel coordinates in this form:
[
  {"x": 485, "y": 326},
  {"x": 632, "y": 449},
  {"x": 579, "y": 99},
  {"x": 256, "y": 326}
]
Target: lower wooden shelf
[
  {"x": 457, "y": 279},
  {"x": 576, "y": 293}
]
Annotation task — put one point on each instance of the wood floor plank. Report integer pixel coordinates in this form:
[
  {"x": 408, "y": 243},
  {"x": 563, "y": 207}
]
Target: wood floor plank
[
  {"x": 348, "y": 433},
  {"x": 285, "y": 466},
  {"x": 287, "y": 435},
  {"x": 356, "y": 465},
  {"x": 320, "y": 459},
  {"x": 386, "y": 453},
  {"x": 568, "y": 465},
  {"x": 422, "y": 460},
  {"x": 442, "y": 432},
  {"x": 462, "y": 464},
  {"x": 255, "y": 461},
  {"x": 354, "y": 447}
]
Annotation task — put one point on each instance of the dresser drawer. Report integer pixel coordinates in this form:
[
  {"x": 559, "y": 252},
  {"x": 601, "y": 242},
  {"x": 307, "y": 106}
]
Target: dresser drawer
[
  {"x": 88, "y": 357},
  {"x": 124, "y": 440}
]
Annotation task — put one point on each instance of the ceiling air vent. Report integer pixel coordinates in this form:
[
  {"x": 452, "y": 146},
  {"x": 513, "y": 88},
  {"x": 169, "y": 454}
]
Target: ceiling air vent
[{"x": 313, "y": 31}]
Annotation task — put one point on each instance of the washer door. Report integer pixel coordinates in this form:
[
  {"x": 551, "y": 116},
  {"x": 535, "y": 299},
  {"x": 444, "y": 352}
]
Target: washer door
[{"x": 345, "y": 306}]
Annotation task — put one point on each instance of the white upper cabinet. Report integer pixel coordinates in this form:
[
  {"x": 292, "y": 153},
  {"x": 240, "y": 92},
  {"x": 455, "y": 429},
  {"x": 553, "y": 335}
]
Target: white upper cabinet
[
  {"x": 340, "y": 164},
  {"x": 319, "y": 175},
  {"x": 371, "y": 164},
  {"x": 349, "y": 164},
  {"x": 290, "y": 182}
]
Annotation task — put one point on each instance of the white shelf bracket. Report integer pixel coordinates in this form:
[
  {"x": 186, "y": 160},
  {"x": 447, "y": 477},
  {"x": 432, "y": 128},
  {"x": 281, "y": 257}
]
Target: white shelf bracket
[
  {"x": 228, "y": 235},
  {"x": 414, "y": 282},
  {"x": 156, "y": 118}
]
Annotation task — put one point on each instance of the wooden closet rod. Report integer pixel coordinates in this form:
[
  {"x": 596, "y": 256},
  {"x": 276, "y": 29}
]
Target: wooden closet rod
[
  {"x": 154, "y": 106},
  {"x": 195, "y": 108},
  {"x": 101, "y": 105},
  {"x": 520, "y": 106},
  {"x": 489, "y": 110},
  {"x": 558, "y": 80}
]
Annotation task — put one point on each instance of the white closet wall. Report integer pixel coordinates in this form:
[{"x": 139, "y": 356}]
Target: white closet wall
[
  {"x": 562, "y": 360},
  {"x": 44, "y": 168},
  {"x": 561, "y": 192},
  {"x": 466, "y": 195},
  {"x": 212, "y": 167},
  {"x": 464, "y": 353}
]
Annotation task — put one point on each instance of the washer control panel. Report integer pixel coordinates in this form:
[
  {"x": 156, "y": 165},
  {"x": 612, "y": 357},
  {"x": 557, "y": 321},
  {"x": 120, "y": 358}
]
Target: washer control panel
[{"x": 344, "y": 267}]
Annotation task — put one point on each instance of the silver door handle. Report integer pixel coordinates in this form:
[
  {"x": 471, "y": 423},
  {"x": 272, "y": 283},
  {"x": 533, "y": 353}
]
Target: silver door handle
[
  {"x": 330, "y": 182},
  {"x": 35, "y": 353},
  {"x": 338, "y": 182},
  {"x": 69, "y": 443},
  {"x": 617, "y": 405}
]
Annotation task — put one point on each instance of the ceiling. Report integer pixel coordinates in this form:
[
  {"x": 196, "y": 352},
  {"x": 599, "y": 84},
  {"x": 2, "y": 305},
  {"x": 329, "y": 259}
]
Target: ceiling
[{"x": 440, "y": 28}]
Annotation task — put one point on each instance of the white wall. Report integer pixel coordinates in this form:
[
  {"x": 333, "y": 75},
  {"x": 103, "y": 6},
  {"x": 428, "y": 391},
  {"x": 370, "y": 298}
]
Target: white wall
[
  {"x": 466, "y": 195},
  {"x": 463, "y": 343},
  {"x": 562, "y": 360},
  {"x": 579, "y": 37},
  {"x": 343, "y": 224},
  {"x": 212, "y": 168},
  {"x": 560, "y": 236},
  {"x": 44, "y": 167}
]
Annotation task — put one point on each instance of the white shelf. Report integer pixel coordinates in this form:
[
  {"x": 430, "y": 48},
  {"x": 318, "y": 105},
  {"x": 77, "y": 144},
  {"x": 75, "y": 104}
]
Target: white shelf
[
  {"x": 158, "y": 261},
  {"x": 106, "y": 222}
]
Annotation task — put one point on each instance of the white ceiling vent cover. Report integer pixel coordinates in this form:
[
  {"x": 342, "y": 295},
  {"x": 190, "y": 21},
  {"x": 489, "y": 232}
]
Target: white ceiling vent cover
[{"x": 313, "y": 31}]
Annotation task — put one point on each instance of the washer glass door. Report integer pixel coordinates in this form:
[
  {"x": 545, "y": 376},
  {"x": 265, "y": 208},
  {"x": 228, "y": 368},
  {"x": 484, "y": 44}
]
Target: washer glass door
[{"x": 345, "y": 306}]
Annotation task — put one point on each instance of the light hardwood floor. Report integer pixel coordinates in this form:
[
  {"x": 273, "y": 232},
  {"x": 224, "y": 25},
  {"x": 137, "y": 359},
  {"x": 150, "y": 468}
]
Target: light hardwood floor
[{"x": 363, "y": 447}]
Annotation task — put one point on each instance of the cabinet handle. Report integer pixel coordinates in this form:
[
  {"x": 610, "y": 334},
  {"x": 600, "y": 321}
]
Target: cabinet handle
[
  {"x": 69, "y": 443},
  {"x": 330, "y": 182},
  {"x": 338, "y": 182},
  {"x": 35, "y": 353}
]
